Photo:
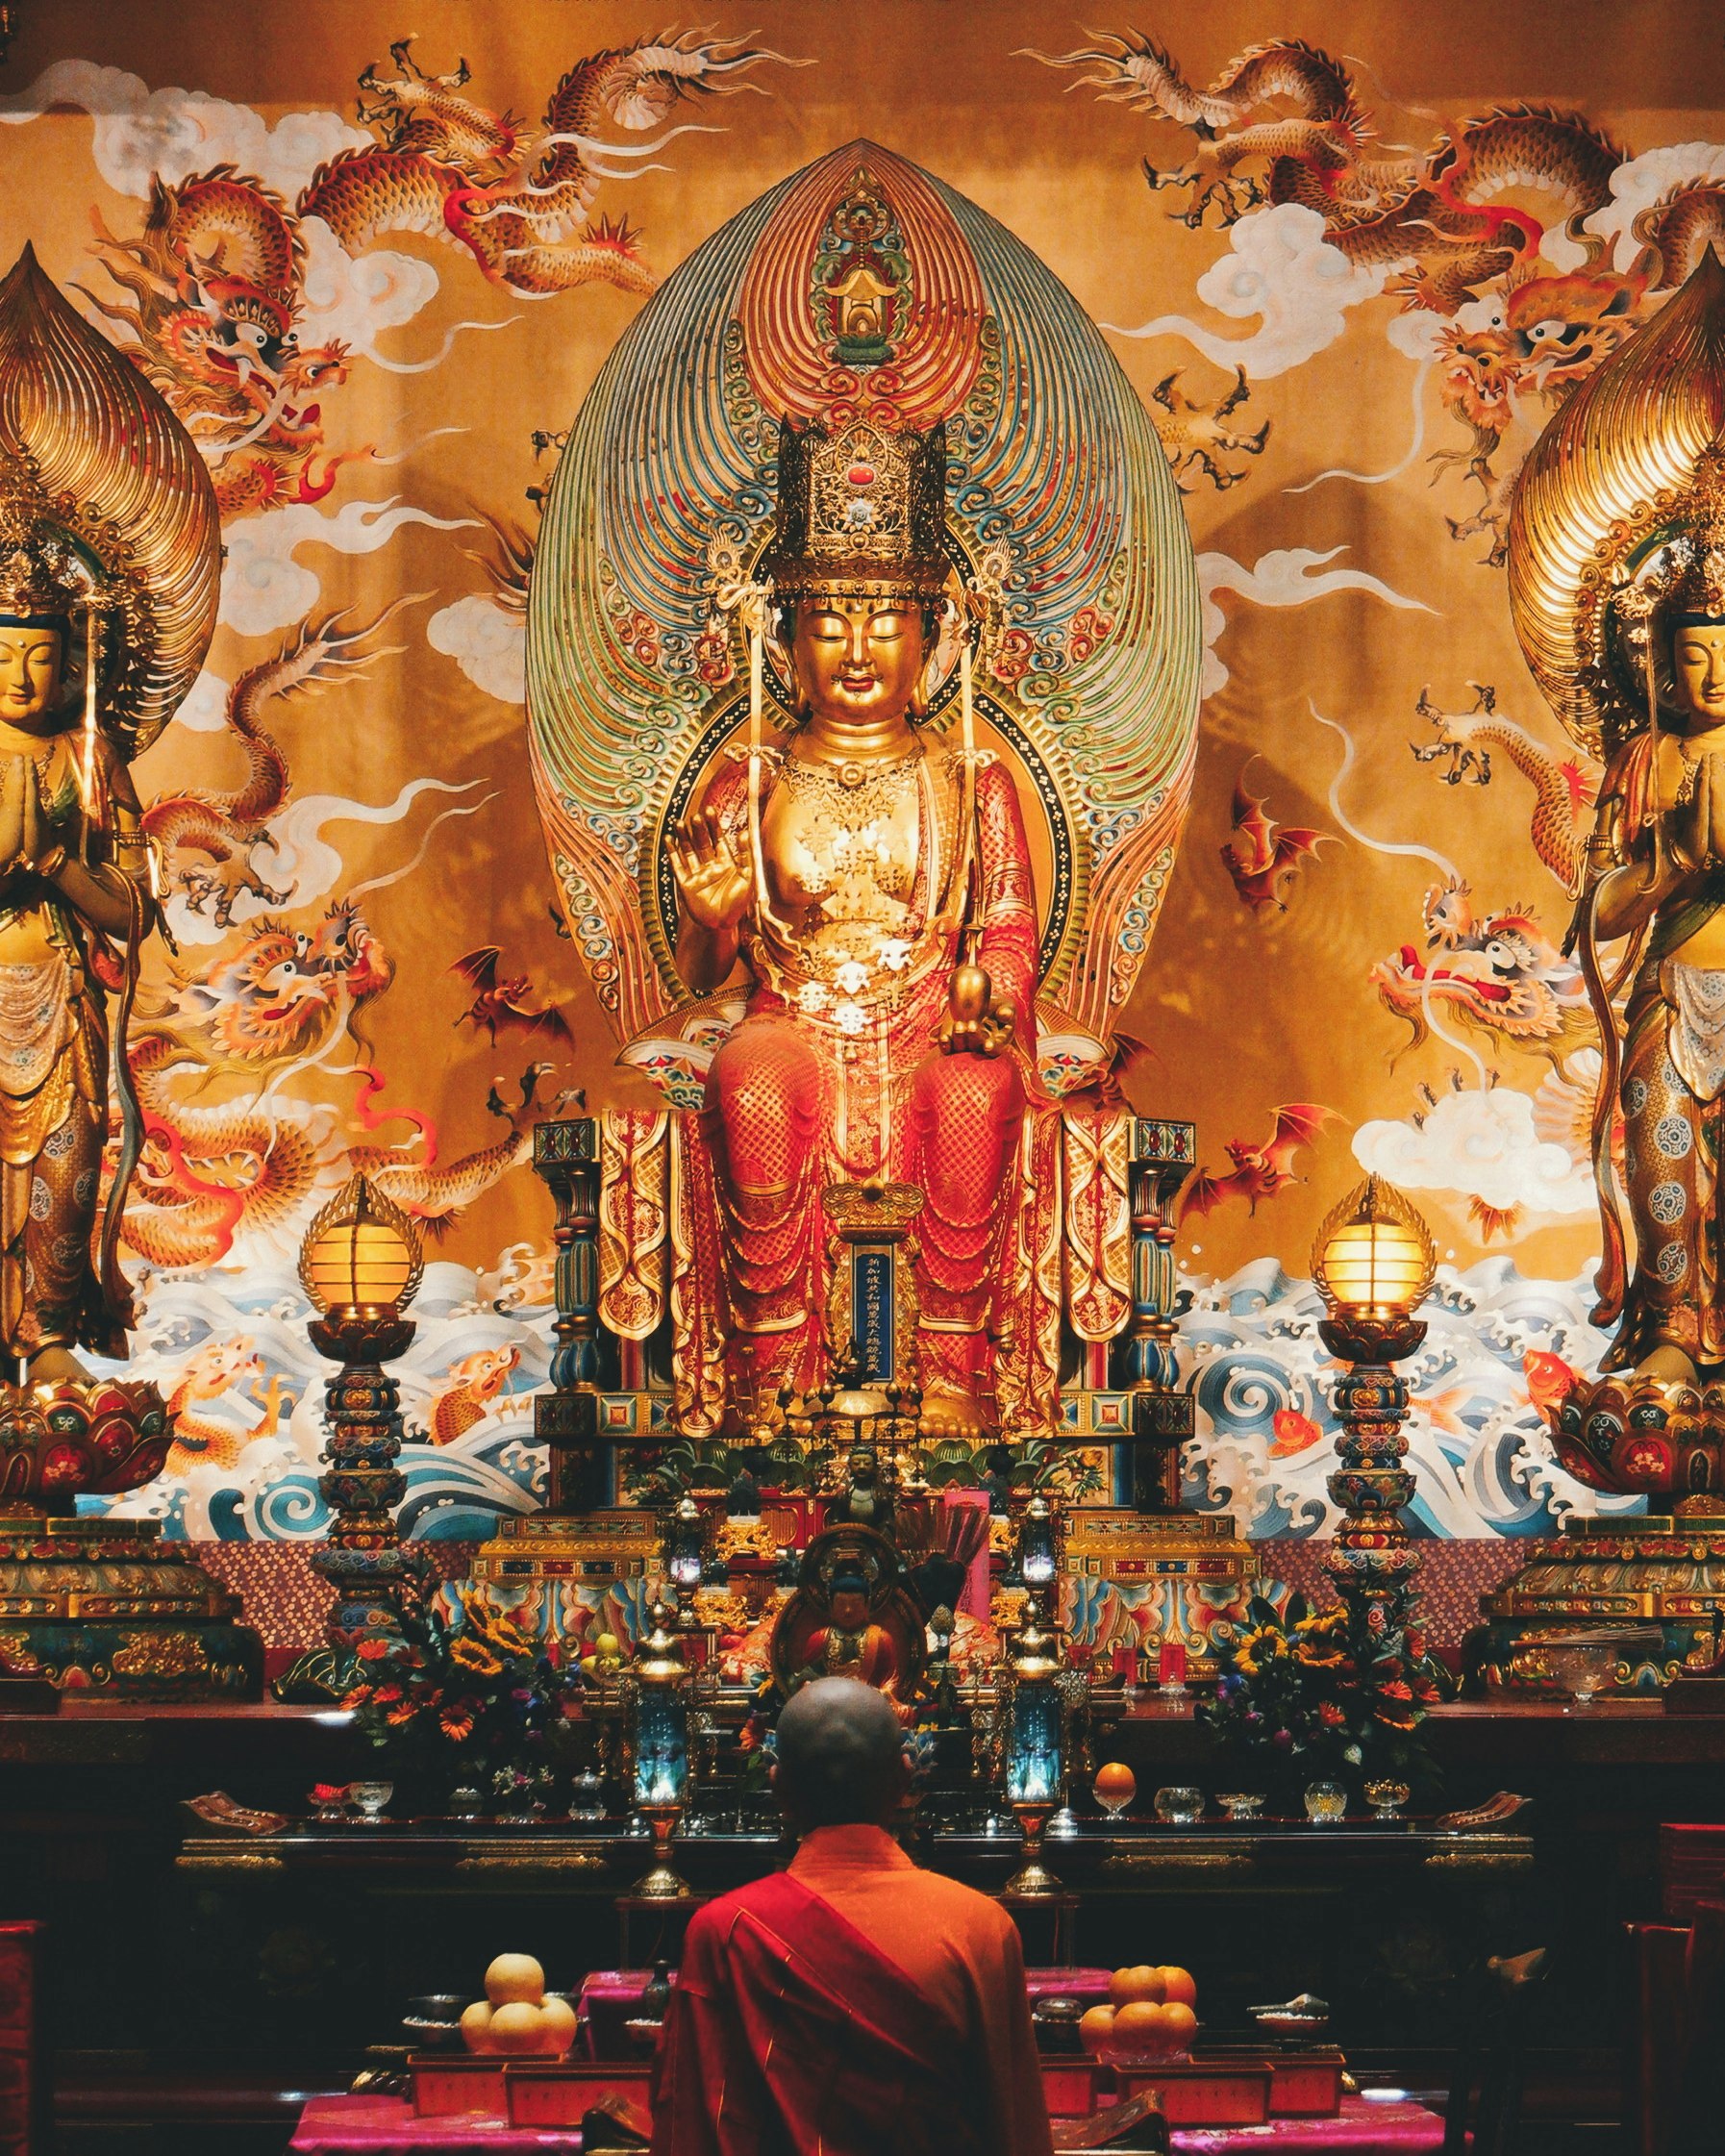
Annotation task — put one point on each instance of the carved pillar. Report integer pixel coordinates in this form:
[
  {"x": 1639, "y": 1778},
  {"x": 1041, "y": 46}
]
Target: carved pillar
[
  {"x": 1147, "y": 1464},
  {"x": 582, "y": 1475}
]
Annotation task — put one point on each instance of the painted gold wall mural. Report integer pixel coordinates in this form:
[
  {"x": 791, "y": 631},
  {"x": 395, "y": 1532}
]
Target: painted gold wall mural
[{"x": 1222, "y": 342}]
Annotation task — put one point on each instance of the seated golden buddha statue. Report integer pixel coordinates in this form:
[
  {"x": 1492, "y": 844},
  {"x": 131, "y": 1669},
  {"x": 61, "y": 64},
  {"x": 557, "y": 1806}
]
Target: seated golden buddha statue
[
  {"x": 875, "y": 889},
  {"x": 863, "y": 886}
]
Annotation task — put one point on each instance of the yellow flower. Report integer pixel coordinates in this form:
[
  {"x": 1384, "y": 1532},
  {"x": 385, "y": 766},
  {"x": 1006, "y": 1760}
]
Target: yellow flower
[{"x": 471, "y": 1655}]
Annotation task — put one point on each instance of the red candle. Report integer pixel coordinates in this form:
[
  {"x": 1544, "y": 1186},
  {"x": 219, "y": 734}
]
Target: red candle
[
  {"x": 1126, "y": 1663},
  {"x": 1171, "y": 1663}
]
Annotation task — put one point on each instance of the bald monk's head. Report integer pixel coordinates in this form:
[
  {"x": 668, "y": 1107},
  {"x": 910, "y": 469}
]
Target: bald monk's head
[{"x": 841, "y": 1755}]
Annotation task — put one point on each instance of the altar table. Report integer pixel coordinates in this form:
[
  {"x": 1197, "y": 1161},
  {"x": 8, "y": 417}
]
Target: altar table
[{"x": 385, "y": 2126}]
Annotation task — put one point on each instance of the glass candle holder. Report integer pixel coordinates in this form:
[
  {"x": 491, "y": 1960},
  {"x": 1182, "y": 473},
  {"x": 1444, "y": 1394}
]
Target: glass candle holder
[
  {"x": 1387, "y": 1799},
  {"x": 1240, "y": 1804},
  {"x": 371, "y": 1797},
  {"x": 1326, "y": 1803},
  {"x": 1180, "y": 1807}
]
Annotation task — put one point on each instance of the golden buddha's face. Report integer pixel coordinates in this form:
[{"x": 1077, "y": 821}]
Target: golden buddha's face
[
  {"x": 859, "y": 661},
  {"x": 1698, "y": 662},
  {"x": 29, "y": 664},
  {"x": 849, "y": 1611}
]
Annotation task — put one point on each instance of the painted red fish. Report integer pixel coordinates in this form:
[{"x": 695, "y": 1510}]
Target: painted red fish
[
  {"x": 1294, "y": 1433},
  {"x": 1550, "y": 1380}
]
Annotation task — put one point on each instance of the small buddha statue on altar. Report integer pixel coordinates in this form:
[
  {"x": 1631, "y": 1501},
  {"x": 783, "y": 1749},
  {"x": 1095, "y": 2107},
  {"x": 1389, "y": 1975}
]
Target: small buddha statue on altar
[
  {"x": 875, "y": 888},
  {"x": 75, "y": 906},
  {"x": 866, "y": 1502},
  {"x": 850, "y": 1643}
]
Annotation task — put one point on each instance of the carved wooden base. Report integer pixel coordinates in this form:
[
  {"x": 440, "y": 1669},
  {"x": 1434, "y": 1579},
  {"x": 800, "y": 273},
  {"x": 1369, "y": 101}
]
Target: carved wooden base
[
  {"x": 107, "y": 1606},
  {"x": 1665, "y": 1571}
]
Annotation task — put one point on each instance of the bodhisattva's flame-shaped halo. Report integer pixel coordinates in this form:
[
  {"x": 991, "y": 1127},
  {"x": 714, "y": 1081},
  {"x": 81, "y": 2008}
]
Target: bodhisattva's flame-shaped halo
[
  {"x": 96, "y": 457},
  {"x": 1600, "y": 500}
]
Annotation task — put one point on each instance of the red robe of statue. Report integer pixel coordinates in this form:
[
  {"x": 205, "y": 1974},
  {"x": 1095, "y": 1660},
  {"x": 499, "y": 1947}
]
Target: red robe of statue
[
  {"x": 874, "y": 892},
  {"x": 793, "y": 2031}
]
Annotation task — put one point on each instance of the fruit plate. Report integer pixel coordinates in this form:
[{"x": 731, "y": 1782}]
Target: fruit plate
[
  {"x": 562, "y": 2092},
  {"x": 1200, "y": 2092},
  {"x": 451, "y": 2085}
]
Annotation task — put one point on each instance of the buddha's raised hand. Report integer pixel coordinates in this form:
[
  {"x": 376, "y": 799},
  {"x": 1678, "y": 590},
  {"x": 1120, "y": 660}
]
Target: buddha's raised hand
[{"x": 713, "y": 883}]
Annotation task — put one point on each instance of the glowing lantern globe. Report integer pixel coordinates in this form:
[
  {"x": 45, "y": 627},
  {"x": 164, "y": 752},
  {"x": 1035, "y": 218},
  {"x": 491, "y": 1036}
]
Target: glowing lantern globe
[
  {"x": 362, "y": 1253},
  {"x": 1374, "y": 1256}
]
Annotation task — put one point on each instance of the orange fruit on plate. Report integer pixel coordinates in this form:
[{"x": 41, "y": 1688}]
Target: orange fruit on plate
[
  {"x": 513, "y": 1977},
  {"x": 1094, "y": 2027},
  {"x": 1116, "y": 1780},
  {"x": 1179, "y": 2025},
  {"x": 517, "y": 2027},
  {"x": 1138, "y": 1986},
  {"x": 1138, "y": 2030},
  {"x": 557, "y": 2025},
  {"x": 1176, "y": 1986}
]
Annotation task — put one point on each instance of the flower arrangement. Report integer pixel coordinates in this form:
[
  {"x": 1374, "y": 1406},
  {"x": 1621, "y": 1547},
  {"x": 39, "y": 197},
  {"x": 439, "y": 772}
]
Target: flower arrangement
[
  {"x": 1307, "y": 1691},
  {"x": 476, "y": 1697}
]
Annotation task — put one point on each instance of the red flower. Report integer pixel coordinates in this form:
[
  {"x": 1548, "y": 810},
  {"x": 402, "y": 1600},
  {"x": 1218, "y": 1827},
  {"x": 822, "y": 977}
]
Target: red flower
[
  {"x": 358, "y": 1698},
  {"x": 372, "y": 1650},
  {"x": 386, "y": 1695},
  {"x": 1330, "y": 1714},
  {"x": 1395, "y": 1690}
]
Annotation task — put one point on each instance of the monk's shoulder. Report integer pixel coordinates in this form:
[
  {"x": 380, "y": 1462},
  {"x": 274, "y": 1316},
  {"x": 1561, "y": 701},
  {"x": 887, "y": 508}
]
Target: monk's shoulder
[{"x": 957, "y": 1906}]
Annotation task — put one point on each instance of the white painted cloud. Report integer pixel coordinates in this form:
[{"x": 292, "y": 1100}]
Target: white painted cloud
[
  {"x": 204, "y": 710},
  {"x": 1415, "y": 334},
  {"x": 178, "y": 131},
  {"x": 356, "y": 298},
  {"x": 302, "y": 866},
  {"x": 1280, "y": 268},
  {"x": 488, "y": 644},
  {"x": 1639, "y": 182},
  {"x": 265, "y": 587},
  {"x": 1280, "y": 578},
  {"x": 1482, "y": 1143}
]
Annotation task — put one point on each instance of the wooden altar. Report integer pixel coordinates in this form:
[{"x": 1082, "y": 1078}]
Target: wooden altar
[{"x": 252, "y": 1969}]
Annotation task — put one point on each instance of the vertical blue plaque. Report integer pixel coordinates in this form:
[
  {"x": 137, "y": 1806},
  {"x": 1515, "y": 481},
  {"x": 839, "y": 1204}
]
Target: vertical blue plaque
[{"x": 872, "y": 1311}]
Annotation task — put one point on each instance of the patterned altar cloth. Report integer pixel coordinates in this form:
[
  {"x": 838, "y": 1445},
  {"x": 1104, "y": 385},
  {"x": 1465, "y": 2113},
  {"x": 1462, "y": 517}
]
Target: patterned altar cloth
[{"x": 384, "y": 2127}]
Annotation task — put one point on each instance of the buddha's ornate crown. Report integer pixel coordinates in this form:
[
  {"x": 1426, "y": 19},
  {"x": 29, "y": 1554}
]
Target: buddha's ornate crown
[
  {"x": 1698, "y": 554},
  {"x": 861, "y": 513},
  {"x": 1683, "y": 577},
  {"x": 42, "y": 576}
]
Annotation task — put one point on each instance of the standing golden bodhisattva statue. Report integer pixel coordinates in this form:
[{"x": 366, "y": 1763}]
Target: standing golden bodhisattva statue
[
  {"x": 1617, "y": 589},
  {"x": 110, "y": 570}
]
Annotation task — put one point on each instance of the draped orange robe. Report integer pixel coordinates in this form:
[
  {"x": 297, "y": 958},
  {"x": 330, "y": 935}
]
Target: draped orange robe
[{"x": 852, "y": 2006}]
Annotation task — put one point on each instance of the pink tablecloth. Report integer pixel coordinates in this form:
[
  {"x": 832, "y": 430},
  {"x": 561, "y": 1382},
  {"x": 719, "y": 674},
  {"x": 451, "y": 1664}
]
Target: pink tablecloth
[
  {"x": 1403, "y": 2128},
  {"x": 379, "y": 2125}
]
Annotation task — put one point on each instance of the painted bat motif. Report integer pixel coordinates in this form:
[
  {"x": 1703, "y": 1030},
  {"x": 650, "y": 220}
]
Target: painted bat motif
[
  {"x": 1259, "y": 858},
  {"x": 1258, "y": 1171},
  {"x": 504, "y": 1004}
]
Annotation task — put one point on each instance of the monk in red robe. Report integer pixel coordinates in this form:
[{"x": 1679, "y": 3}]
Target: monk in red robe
[{"x": 853, "y": 2005}]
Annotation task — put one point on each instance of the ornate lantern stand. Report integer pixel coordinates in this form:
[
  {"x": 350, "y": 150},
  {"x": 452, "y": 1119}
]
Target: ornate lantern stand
[
  {"x": 682, "y": 1552},
  {"x": 1373, "y": 1264},
  {"x": 1031, "y": 1716},
  {"x": 361, "y": 1263},
  {"x": 658, "y": 1748}
]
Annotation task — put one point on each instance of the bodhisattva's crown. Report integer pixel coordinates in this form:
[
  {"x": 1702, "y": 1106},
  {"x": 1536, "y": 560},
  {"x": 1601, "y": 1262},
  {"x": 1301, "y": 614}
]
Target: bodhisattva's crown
[
  {"x": 861, "y": 513},
  {"x": 1698, "y": 555},
  {"x": 41, "y": 578}
]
